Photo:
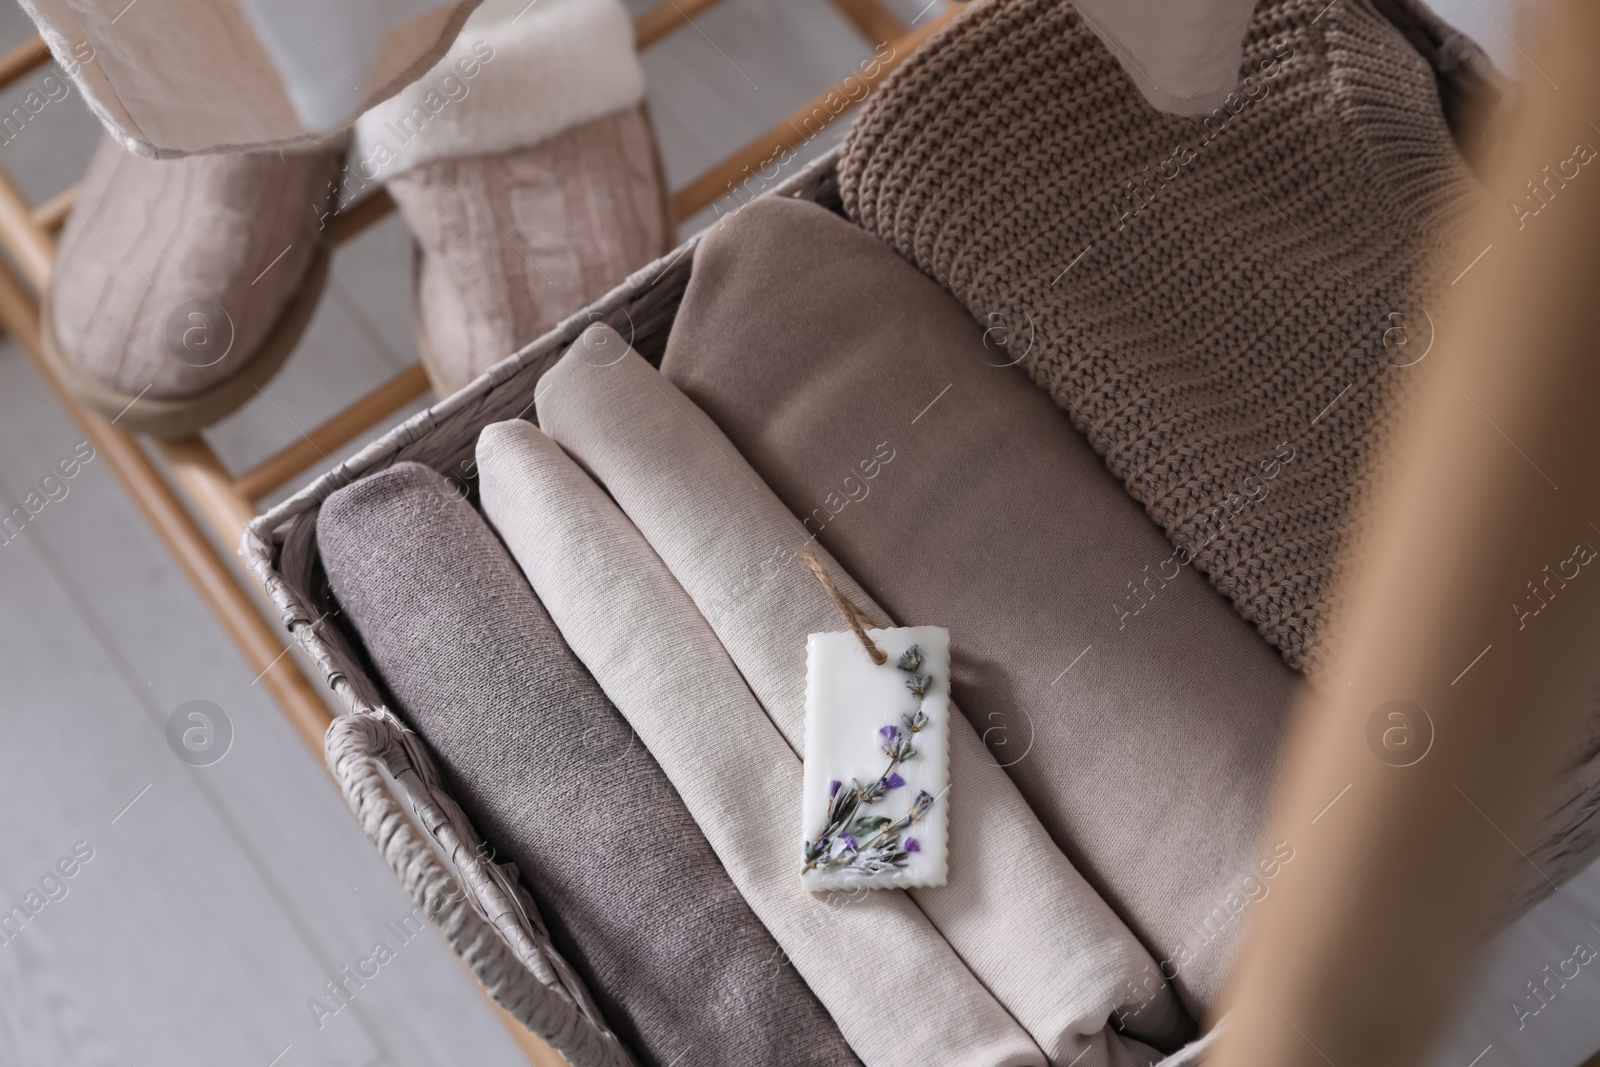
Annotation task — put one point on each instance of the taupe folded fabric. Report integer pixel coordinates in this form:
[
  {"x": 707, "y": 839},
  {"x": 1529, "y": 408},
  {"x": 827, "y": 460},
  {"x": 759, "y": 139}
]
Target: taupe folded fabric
[
  {"x": 553, "y": 777},
  {"x": 1144, "y": 737},
  {"x": 1022, "y": 918},
  {"x": 895, "y": 988},
  {"x": 1205, "y": 296}
]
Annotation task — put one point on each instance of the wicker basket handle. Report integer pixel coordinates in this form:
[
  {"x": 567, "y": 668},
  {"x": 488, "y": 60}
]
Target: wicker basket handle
[{"x": 487, "y": 917}]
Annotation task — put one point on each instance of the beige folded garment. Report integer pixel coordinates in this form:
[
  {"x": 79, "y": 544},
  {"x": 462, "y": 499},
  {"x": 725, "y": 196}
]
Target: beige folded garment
[
  {"x": 1023, "y": 919},
  {"x": 897, "y": 991},
  {"x": 1145, "y": 737}
]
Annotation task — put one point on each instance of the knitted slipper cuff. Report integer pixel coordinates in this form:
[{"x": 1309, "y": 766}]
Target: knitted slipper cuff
[{"x": 519, "y": 74}]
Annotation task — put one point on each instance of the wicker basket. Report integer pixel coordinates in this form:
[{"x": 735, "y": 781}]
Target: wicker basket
[{"x": 477, "y": 904}]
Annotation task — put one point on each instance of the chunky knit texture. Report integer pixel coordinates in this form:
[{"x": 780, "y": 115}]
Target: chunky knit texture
[{"x": 1213, "y": 300}]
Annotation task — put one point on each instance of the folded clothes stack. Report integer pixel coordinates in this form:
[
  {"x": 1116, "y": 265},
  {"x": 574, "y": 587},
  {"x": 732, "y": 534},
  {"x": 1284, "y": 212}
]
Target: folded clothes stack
[
  {"x": 1016, "y": 937},
  {"x": 551, "y": 775},
  {"x": 894, "y": 986}
]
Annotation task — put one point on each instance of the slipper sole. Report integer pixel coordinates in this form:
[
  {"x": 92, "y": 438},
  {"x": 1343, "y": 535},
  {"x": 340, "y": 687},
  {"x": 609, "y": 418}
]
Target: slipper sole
[{"x": 182, "y": 416}]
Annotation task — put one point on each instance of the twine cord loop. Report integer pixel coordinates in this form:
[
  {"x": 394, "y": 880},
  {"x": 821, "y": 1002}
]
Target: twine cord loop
[{"x": 853, "y": 615}]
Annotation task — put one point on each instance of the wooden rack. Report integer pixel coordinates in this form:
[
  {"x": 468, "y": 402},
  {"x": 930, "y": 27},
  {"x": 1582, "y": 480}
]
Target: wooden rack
[{"x": 202, "y": 491}]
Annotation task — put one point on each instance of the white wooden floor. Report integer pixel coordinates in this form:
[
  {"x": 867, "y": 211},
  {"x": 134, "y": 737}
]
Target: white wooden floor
[{"x": 218, "y": 899}]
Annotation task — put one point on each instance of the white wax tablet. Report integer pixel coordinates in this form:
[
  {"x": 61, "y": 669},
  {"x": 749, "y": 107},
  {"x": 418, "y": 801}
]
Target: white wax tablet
[{"x": 877, "y": 766}]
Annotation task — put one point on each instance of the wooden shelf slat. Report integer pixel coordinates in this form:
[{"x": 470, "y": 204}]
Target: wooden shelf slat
[
  {"x": 876, "y": 22},
  {"x": 665, "y": 17},
  {"x": 800, "y": 127},
  {"x": 364, "y": 213},
  {"x": 22, "y": 60},
  {"x": 31, "y": 247},
  {"x": 332, "y": 435},
  {"x": 51, "y": 215}
]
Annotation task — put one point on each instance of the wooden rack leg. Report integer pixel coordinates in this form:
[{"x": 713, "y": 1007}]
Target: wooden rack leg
[{"x": 31, "y": 248}]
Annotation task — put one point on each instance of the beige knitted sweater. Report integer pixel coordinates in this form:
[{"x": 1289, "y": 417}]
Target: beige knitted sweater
[{"x": 1226, "y": 306}]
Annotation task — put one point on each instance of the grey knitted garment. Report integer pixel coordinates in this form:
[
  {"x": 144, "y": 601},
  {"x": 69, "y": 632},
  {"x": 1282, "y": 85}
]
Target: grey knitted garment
[
  {"x": 553, "y": 777},
  {"x": 1224, "y": 305}
]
